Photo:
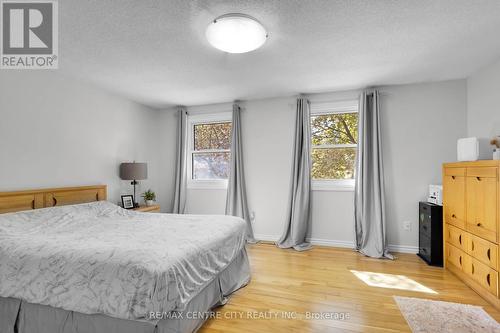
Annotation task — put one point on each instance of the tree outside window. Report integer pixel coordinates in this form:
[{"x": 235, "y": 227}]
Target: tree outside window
[
  {"x": 334, "y": 142},
  {"x": 211, "y": 151}
]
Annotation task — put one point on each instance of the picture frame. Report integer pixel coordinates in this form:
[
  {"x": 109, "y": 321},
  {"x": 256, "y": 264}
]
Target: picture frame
[{"x": 128, "y": 201}]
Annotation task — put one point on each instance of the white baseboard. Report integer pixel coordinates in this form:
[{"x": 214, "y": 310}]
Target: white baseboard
[
  {"x": 340, "y": 243},
  {"x": 403, "y": 248},
  {"x": 331, "y": 242},
  {"x": 266, "y": 238}
]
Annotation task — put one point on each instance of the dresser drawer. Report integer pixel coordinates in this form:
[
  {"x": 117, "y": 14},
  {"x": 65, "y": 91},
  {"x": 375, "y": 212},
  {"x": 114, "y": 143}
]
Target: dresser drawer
[
  {"x": 482, "y": 250},
  {"x": 454, "y": 172},
  {"x": 482, "y": 274},
  {"x": 455, "y": 256},
  {"x": 482, "y": 172},
  {"x": 454, "y": 200},
  {"x": 425, "y": 252},
  {"x": 481, "y": 207},
  {"x": 457, "y": 237},
  {"x": 424, "y": 246},
  {"x": 425, "y": 224}
]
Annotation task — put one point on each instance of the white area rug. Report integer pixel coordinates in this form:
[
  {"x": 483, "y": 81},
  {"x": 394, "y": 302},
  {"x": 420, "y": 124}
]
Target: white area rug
[{"x": 435, "y": 316}]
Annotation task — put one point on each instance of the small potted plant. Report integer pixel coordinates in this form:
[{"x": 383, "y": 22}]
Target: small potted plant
[
  {"x": 149, "y": 197},
  {"x": 496, "y": 152}
]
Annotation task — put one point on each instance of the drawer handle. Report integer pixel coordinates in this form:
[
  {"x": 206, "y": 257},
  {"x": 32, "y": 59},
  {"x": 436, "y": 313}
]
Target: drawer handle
[
  {"x": 454, "y": 216},
  {"x": 488, "y": 279},
  {"x": 472, "y": 268},
  {"x": 472, "y": 245},
  {"x": 488, "y": 253},
  {"x": 460, "y": 260},
  {"x": 479, "y": 224},
  {"x": 460, "y": 239},
  {"x": 478, "y": 179},
  {"x": 453, "y": 177}
]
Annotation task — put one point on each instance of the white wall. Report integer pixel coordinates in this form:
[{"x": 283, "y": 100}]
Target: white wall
[
  {"x": 57, "y": 132},
  {"x": 421, "y": 124},
  {"x": 483, "y": 110}
]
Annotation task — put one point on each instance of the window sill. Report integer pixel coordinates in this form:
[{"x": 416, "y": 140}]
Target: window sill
[
  {"x": 333, "y": 185},
  {"x": 207, "y": 185}
]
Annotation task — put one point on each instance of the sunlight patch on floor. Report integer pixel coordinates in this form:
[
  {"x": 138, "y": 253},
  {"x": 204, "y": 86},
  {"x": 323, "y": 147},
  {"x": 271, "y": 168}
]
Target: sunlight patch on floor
[{"x": 391, "y": 281}]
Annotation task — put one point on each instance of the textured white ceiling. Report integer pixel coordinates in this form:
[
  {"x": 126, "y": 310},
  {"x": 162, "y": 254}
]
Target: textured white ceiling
[{"x": 155, "y": 51}]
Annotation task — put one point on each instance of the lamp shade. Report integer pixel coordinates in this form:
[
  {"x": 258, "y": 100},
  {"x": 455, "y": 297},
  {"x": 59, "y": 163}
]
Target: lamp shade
[{"x": 133, "y": 171}]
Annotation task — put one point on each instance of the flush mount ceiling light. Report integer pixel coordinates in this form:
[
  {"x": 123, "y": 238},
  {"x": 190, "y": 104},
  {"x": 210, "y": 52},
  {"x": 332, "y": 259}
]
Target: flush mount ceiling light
[{"x": 236, "y": 33}]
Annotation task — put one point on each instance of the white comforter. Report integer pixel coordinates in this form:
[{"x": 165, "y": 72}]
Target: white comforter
[{"x": 100, "y": 258}]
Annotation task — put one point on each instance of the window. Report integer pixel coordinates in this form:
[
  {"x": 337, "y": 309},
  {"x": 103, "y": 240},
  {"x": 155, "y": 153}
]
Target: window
[
  {"x": 334, "y": 138},
  {"x": 209, "y": 150}
]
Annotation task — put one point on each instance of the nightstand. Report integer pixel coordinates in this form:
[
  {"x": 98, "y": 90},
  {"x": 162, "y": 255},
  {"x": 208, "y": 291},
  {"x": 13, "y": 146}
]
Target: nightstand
[{"x": 148, "y": 209}]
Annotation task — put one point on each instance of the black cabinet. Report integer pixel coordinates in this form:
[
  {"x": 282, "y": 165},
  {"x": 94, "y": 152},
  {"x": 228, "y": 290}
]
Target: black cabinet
[{"x": 430, "y": 238}]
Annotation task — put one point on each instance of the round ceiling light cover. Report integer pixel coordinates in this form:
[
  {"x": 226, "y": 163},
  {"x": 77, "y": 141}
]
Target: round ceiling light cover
[{"x": 236, "y": 33}]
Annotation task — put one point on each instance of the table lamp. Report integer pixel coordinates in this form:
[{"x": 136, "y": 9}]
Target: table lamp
[{"x": 134, "y": 172}]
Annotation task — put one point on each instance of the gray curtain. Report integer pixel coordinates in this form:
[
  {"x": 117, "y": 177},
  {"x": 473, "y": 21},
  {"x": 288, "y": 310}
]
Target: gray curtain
[
  {"x": 236, "y": 200},
  {"x": 179, "y": 202},
  {"x": 299, "y": 206},
  {"x": 369, "y": 201}
]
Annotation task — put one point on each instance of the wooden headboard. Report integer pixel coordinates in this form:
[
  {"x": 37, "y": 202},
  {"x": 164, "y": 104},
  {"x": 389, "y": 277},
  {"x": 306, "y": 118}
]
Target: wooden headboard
[{"x": 49, "y": 197}]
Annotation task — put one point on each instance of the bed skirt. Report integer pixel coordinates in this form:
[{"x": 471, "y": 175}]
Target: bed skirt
[{"x": 17, "y": 316}]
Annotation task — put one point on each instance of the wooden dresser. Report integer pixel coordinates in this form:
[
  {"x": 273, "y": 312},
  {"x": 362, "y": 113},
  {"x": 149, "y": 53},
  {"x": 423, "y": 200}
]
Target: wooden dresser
[{"x": 471, "y": 217}]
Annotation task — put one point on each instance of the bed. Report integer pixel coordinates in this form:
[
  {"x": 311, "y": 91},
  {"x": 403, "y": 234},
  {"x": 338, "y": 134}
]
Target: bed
[{"x": 72, "y": 262}]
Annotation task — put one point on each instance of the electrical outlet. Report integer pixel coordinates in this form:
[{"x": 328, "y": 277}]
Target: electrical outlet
[{"x": 407, "y": 225}]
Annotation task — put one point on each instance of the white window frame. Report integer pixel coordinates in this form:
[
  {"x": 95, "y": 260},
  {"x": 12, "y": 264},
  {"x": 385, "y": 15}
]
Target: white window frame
[
  {"x": 322, "y": 108},
  {"x": 212, "y": 118}
]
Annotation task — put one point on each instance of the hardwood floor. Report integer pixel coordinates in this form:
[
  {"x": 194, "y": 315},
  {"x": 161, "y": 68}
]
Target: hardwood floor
[{"x": 320, "y": 280}]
